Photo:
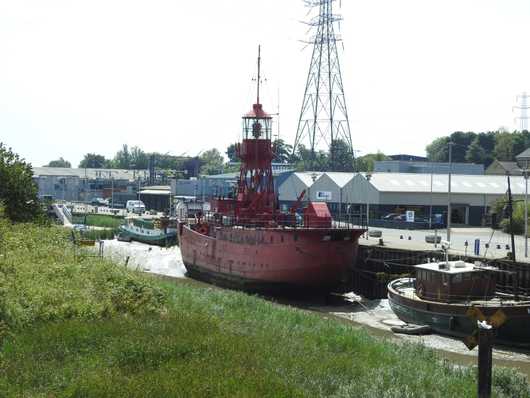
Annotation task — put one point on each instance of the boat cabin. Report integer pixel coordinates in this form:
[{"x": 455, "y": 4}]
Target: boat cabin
[{"x": 453, "y": 281}]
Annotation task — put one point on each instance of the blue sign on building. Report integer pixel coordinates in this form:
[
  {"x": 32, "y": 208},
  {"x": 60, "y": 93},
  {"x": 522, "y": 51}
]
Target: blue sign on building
[{"x": 477, "y": 247}]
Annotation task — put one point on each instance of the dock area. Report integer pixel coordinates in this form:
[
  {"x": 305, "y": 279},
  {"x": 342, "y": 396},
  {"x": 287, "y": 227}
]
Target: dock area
[
  {"x": 493, "y": 244},
  {"x": 396, "y": 252}
]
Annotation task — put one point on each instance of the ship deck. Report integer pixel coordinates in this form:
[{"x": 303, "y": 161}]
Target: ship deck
[{"x": 405, "y": 288}]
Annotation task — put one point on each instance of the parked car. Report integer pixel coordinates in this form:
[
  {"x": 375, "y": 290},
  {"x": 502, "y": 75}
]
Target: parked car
[
  {"x": 135, "y": 206},
  {"x": 99, "y": 202}
]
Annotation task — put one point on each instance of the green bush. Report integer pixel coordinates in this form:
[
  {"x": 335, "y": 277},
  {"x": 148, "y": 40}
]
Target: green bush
[
  {"x": 18, "y": 191},
  {"x": 518, "y": 219},
  {"x": 42, "y": 278}
]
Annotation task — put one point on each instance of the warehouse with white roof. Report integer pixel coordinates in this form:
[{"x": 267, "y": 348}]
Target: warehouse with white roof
[{"x": 382, "y": 194}]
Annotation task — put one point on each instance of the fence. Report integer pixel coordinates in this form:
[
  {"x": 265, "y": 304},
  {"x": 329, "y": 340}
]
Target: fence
[{"x": 349, "y": 221}]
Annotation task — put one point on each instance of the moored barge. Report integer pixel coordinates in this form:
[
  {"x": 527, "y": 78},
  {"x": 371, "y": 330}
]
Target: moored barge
[{"x": 444, "y": 295}]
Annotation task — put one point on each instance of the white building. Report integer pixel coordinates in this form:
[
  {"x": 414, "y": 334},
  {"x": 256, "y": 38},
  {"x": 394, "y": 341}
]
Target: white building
[{"x": 384, "y": 193}]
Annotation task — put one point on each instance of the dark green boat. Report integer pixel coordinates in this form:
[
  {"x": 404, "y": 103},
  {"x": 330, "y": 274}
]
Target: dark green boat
[
  {"x": 155, "y": 231},
  {"x": 442, "y": 295}
]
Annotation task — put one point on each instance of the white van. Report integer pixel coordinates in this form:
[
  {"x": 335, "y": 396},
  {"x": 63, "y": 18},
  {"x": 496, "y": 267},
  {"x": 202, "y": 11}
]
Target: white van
[{"x": 135, "y": 206}]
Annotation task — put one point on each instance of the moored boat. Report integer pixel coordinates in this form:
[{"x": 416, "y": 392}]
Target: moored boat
[
  {"x": 443, "y": 293},
  {"x": 245, "y": 242},
  {"x": 154, "y": 231}
]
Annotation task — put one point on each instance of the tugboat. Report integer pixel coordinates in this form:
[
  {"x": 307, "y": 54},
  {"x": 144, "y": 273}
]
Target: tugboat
[
  {"x": 154, "y": 231},
  {"x": 444, "y": 295},
  {"x": 245, "y": 242}
]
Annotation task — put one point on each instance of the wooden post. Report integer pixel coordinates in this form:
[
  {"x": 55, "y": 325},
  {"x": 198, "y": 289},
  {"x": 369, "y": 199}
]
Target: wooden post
[{"x": 485, "y": 342}]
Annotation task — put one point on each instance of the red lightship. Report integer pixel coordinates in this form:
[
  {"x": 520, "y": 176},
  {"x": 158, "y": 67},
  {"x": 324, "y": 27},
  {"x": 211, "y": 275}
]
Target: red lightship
[{"x": 247, "y": 243}]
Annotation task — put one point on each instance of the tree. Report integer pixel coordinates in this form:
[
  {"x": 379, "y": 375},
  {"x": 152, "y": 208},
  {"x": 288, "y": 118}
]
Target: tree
[
  {"x": 139, "y": 159},
  {"x": 366, "y": 163},
  {"x": 282, "y": 151},
  {"x": 59, "y": 163},
  {"x": 231, "y": 153},
  {"x": 437, "y": 151},
  {"x": 94, "y": 161},
  {"x": 212, "y": 162},
  {"x": 122, "y": 159},
  {"x": 18, "y": 191},
  {"x": 476, "y": 153},
  {"x": 487, "y": 142},
  {"x": 504, "y": 146},
  {"x": 521, "y": 141},
  {"x": 462, "y": 141},
  {"x": 341, "y": 156}
]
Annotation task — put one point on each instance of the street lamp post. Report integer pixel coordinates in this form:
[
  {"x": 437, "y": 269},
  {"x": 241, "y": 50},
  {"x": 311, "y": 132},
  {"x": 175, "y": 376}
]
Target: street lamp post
[
  {"x": 526, "y": 210},
  {"x": 523, "y": 161},
  {"x": 368, "y": 176},
  {"x": 449, "y": 194},
  {"x": 430, "y": 207}
]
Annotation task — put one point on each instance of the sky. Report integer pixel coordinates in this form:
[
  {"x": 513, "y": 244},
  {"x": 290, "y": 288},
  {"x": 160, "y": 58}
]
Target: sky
[{"x": 176, "y": 76}]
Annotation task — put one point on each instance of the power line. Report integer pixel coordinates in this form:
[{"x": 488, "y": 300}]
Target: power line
[
  {"x": 522, "y": 101},
  {"x": 323, "y": 116}
]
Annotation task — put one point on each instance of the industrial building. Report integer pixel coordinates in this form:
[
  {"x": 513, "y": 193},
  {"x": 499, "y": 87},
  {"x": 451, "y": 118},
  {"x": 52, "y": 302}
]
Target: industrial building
[
  {"x": 414, "y": 166},
  {"x": 219, "y": 185},
  {"x": 157, "y": 197},
  {"x": 383, "y": 194},
  {"x": 499, "y": 167},
  {"x": 76, "y": 184}
]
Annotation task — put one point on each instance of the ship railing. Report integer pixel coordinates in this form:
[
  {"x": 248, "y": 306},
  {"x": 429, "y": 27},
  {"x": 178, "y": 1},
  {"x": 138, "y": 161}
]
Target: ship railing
[
  {"x": 347, "y": 221},
  {"x": 404, "y": 286}
]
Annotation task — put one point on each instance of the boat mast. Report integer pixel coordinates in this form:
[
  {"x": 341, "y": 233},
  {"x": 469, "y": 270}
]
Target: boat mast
[
  {"x": 256, "y": 199},
  {"x": 259, "y": 73}
]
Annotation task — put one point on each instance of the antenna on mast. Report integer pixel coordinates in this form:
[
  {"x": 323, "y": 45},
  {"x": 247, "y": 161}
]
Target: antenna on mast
[{"x": 259, "y": 77}]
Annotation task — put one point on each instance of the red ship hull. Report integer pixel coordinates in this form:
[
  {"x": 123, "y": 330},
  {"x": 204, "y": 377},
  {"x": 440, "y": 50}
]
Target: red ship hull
[{"x": 271, "y": 259}]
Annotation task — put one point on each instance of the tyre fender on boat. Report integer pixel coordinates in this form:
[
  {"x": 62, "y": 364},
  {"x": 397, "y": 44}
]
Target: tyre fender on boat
[
  {"x": 420, "y": 290},
  {"x": 202, "y": 229}
]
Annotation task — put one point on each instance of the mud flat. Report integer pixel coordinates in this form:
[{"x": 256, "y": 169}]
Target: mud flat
[
  {"x": 148, "y": 258},
  {"x": 378, "y": 316}
]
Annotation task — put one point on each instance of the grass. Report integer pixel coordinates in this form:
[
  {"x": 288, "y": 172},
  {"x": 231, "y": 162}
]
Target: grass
[
  {"x": 98, "y": 220},
  {"x": 87, "y": 328},
  {"x": 95, "y": 234}
]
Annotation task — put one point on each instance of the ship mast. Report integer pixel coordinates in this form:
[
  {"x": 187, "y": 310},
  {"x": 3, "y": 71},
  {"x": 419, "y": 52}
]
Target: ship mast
[
  {"x": 256, "y": 200},
  {"x": 259, "y": 76}
]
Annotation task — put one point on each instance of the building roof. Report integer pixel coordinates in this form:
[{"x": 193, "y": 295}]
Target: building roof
[
  {"x": 117, "y": 174},
  {"x": 339, "y": 178},
  {"x": 455, "y": 267},
  {"x": 500, "y": 167},
  {"x": 226, "y": 176},
  {"x": 155, "y": 192},
  {"x": 308, "y": 177},
  {"x": 509, "y": 166},
  {"x": 524, "y": 154},
  {"x": 158, "y": 187},
  {"x": 460, "y": 183},
  {"x": 403, "y": 156}
]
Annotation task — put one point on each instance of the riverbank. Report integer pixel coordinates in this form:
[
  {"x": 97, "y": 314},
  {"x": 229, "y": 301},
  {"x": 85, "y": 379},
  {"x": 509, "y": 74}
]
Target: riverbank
[{"x": 77, "y": 325}]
